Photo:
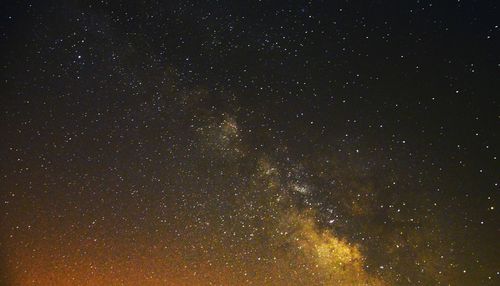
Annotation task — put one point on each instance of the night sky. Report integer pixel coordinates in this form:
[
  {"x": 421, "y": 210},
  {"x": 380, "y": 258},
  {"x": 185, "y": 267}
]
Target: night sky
[{"x": 249, "y": 143}]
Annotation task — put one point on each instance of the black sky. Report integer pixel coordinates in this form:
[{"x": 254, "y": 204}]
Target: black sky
[{"x": 249, "y": 142}]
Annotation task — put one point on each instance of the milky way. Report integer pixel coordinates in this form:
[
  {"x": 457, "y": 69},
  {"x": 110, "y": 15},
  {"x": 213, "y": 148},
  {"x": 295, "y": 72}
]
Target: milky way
[{"x": 249, "y": 143}]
